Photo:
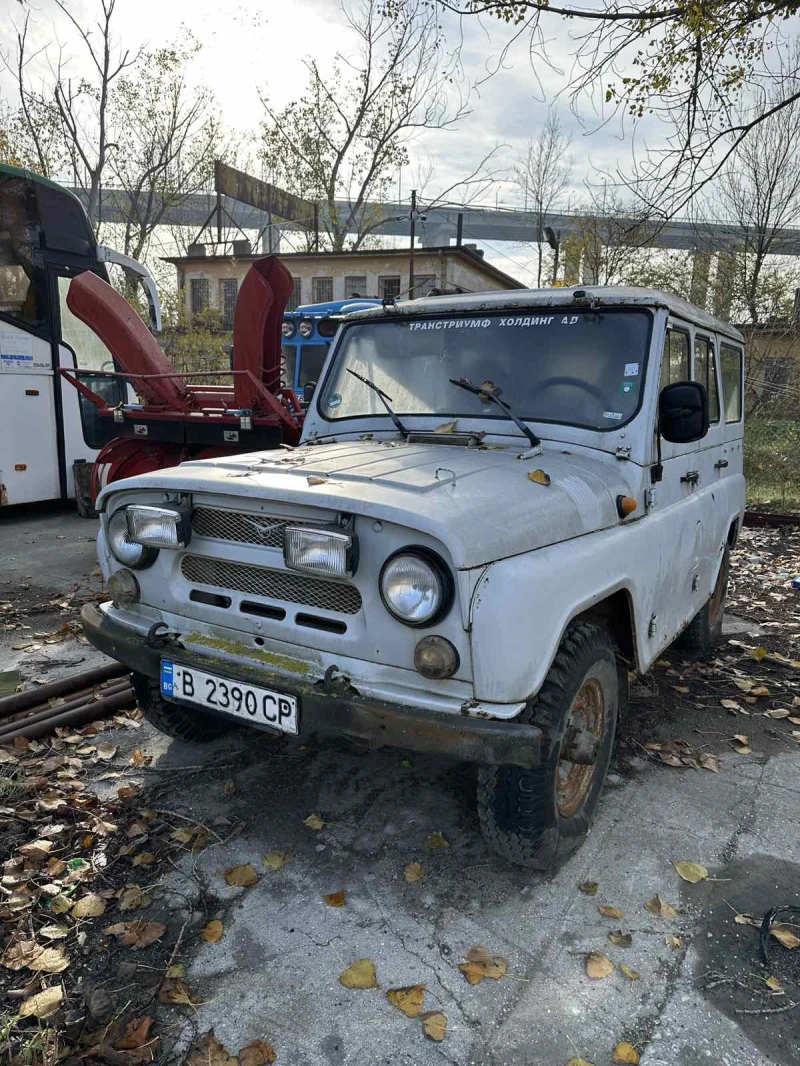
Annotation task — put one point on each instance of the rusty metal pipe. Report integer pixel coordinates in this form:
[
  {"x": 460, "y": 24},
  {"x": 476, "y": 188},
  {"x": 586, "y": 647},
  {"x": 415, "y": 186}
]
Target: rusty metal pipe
[
  {"x": 19, "y": 701},
  {"x": 89, "y": 712},
  {"x": 38, "y": 714}
]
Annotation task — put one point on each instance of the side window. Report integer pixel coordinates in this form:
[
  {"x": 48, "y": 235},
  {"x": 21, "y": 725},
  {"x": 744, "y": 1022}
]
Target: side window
[
  {"x": 731, "y": 366},
  {"x": 22, "y": 285},
  {"x": 675, "y": 361},
  {"x": 705, "y": 371}
]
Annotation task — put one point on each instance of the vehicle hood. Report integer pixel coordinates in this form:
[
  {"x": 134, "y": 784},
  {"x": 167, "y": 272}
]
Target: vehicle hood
[{"x": 479, "y": 502}]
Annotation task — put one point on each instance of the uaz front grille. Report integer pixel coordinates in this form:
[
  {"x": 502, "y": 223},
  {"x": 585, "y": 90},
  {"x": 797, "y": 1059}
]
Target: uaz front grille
[
  {"x": 272, "y": 584},
  {"x": 243, "y": 528}
]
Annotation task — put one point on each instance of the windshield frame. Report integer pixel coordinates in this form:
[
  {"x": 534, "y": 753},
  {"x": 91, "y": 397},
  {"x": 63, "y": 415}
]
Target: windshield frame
[{"x": 644, "y": 357}]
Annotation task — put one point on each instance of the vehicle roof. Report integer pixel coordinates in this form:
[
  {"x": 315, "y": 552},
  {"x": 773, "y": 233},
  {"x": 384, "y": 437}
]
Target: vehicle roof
[
  {"x": 333, "y": 307},
  {"x": 563, "y": 297}
]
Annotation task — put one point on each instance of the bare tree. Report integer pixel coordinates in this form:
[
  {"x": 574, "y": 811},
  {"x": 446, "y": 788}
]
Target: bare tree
[
  {"x": 347, "y": 135},
  {"x": 542, "y": 175}
]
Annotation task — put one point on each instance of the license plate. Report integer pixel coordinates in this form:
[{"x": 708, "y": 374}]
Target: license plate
[{"x": 250, "y": 702}]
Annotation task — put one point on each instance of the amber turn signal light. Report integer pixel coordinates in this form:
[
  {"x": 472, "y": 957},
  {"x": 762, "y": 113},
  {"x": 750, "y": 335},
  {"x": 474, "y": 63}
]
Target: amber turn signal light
[{"x": 625, "y": 505}]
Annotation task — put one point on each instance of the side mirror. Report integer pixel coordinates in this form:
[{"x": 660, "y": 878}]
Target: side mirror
[
  {"x": 308, "y": 392},
  {"x": 683, "y": 412}
]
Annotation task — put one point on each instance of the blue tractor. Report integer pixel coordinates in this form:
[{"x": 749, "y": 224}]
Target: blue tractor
[{"x": 307, "y": 333}]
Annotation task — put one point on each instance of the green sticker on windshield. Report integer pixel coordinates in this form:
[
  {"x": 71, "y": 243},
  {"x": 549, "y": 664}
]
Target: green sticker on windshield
[{"x": 627, "y": 387}]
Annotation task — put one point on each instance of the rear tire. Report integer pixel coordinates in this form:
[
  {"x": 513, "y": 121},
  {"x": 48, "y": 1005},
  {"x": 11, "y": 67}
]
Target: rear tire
[
  {"x": 703, "y": 635},
  {"x": 538, "y": 817},
  {"x": 181, "y": 723}
]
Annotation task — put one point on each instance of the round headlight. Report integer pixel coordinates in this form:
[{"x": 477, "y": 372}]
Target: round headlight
[
  {"x": 416, "y": 587},
  {"x": 123, "y": 588},
  {"x": 287, "y": 328},
  {"x": 306, "y": 327},
  {"x": 125, "y": 550}
]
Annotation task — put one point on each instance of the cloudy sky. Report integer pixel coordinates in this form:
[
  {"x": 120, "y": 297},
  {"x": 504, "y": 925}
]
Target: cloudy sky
[{"x": 259, "y": 45}]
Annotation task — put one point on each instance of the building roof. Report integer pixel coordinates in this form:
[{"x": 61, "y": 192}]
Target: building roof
[
  {"x": 469, "y": 255},
  {"x": 603, "y": 295}
]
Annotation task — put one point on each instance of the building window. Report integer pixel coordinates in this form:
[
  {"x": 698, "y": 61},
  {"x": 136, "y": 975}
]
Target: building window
[
  {"x": 423, "y": 283},
  {"x": 388, "y": 286},
  {"x": 228, "y": 288},
  {"x": 296, "y": 295},
  {"x": 355, "y": 285},
  {"x": 199, "y": 295},
  {"x": 321, "y": 290}
]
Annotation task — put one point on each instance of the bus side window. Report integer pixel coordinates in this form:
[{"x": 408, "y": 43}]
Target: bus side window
[
  {"x": 22, "y": 285},
  {"x": 705, "y": 371},
  {"x": 731, "y": 366},
  {"x": 675, "y": 360}
]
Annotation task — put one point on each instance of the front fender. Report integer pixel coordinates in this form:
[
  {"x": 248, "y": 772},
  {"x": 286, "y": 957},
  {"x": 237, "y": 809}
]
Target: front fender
[{"x": 521, "y": 606}]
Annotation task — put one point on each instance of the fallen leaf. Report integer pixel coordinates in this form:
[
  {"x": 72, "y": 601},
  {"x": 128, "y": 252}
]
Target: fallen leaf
[
  {"x": 133, "y": 898},
  {"x": 359, "y": 974},
  {"x": 36, "y": 849},
  {"x": 480, "y": 963},
  {"x": 313, "y": 821},
  {"x": 257, "y": 1053},
  {"x": 632, "y": 975},
  {"x": 228, "y": 788},
  {"x": 19, "y": 953},
  {"x": 758, "y": 653},
  {"x": 690, "y": 871},
  {"x": 539, "y": 477},
  {"x": 412, "y": 871},
  {"x": 106, "y": 751},
  {"x": 436, "y": 840},
  {"x": 741, "y": 738},
  {"x": 208, "y": 1051},
  {"x": 598, "y": 965},
  {"x": 136, "y": 1035},
  {"x": 446, "y": 427},
  {"x": 670, "y": 759},
  {"x": 611, "y": 912},
  {"x": 760, "y": 690},
  {"x": 774, "y": 984},
  {"x": 241, "y": 876},
  {"x": 658, "y": 906},
  {"x": 674, "y": 941},
  {"x": 730, "y": 705},
  {"x": 626, "y": 1053},
  {"x": 144, "y": 858},
  {"x": 579, "y": 1062},
  {"x": 60, "y": 904},
  {"x": 89, "y": 906},
  {"x": 408, "y": 999},
  {"x": 778, "y": 712},
  {"x": 173, "y": 990},
  {"x": 785, "y": 935},
  {"x": 54, "y": 932},
  {"x": 434, "y": 1025},
  {"x": 746, "y": 919},
  {"x": 276, "y": 859},
  {"x": 624, "y": 940},
  {"x": 710, "y": 762},
  {"x": 335, "y": 899},
  {"x": 212, "y": 932},
  {"x": 315, "y": 479},
  {"x": 49, "y": 960},
  {"x": 589, "y": 888},
  {"x": 43, "y": 1003},
  {"x": 137, "y": 934}
]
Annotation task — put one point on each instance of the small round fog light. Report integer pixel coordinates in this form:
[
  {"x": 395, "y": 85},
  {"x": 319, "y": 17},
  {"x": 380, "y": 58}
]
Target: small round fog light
[
  {"x": 435, "y": 657},
  {"x": 123, "y": 588}
]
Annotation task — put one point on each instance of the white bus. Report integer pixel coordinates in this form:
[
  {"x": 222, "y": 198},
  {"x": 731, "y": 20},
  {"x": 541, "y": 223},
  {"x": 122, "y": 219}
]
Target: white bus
[{"x": 45, "y": 424}]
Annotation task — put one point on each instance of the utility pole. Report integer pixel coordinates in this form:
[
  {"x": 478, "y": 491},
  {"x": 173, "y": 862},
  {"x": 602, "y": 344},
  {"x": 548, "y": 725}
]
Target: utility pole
[{"x": 413, "y": 232}]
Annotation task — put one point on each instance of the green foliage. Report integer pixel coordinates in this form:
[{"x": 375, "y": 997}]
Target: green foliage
[{"x": 772, "y": 463}]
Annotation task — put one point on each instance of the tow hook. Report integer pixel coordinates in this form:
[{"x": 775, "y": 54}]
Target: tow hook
[
  {"x": 156, "y": 639},
  {"x": 580, "y": 746},
  {"x": 336, "y": 685}
]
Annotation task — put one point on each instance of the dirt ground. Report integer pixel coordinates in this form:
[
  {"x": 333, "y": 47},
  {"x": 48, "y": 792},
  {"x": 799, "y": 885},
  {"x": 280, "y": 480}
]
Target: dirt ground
[{"x": 239, "y": 880}]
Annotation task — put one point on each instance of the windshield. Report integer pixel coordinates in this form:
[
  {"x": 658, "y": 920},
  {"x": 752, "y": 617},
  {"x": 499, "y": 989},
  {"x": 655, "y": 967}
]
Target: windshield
[{"x": 582, "y": 368}]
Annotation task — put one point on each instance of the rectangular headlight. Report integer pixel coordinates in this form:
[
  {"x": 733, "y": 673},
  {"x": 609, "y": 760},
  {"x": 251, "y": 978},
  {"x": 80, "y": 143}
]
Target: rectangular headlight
[
  {"x": 319, "y": 551},
  {"x": 159, "y": 527}
]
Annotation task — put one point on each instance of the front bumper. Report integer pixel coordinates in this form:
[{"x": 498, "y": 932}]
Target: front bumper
[{"x": 325, "y": 708}]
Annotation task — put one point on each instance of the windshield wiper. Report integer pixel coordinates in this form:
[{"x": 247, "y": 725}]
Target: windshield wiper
[
  {"x": 482, "y": 390},
  {"x": 401, "y": 429}
]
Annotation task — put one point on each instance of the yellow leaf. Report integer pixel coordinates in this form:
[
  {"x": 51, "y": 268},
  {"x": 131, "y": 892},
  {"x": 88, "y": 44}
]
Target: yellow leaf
[
  {"x": 335, "y": 899},
  {"x": 623, "y": 940},
  {"x": 412, "y": 872},
  {"x": 49, "y": 960},
  {"x": 313, "y": 821},
  {"x": 137, "y": 934},
  {"x": 408, "y": 999},
  {"x": 579, "y": 1062},
  {"x": 359, "y": 974},
  {"x": 611, "y": 912},
  {"x": 42, "y": 1004},
  {"x": 758, "y": 653},
  {"x": 176, "y": 992},
  {"x": 177, "y": 969},
  {"x": 480, "y": 963},
  {"x": 598, "y": 965},
  {"x": 785, "y": 935},
  {"x": 774, "y": 984},
  {"x": 60, "y": 904},
  {"x": 625, "y": 1052},
  {"x": 276, "y": 859},
  {"x": 632, "y": 975},
  {"x": 589, "y": 888},
  {"x": 133, "y": 898},
  {"x": 446, "y": 427},
  {"x": 212, "y": 932},
  {"x": 539, "y": 477},
  {"x": 659, "y": 906},
  {"x": 90, "y": 906},
  {"x": 54, "y": 932},
  {"x": 241, "y": 876},
  {"x": 434, "y": 1024},
  {"x": 257, "y": 1053},
  {"x": 674, "y": 941},
  {"x": 691, "y": 871},
  {"x": 436, "y": 840},
  {"x": 760, "y": 690}
]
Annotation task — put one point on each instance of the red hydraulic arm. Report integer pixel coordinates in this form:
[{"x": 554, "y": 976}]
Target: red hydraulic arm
[{"x": 257, "y": 321}]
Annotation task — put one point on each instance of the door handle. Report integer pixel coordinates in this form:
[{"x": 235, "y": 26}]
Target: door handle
[
  {"x": 720, "y": 464},
  {"x": 691, "y": 477}
]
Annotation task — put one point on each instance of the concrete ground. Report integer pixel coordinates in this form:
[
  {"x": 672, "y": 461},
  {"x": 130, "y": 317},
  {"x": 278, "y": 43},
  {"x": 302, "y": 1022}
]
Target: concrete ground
[{"x": 274, "y": 973}]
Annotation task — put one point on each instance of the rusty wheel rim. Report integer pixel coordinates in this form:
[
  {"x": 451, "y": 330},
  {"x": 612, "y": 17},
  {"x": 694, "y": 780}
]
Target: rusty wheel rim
[{"x": 573, "y": 780}]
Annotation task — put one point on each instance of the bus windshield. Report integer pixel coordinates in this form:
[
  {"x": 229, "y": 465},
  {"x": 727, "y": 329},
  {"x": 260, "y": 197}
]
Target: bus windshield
[{"x": 578, "y": 367}]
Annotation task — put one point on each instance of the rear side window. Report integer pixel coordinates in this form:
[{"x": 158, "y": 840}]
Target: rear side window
[
  {"x": 705, "y": 371},
  {"x": 675, "y": 363},
  {"x": 731, "y": 366}
]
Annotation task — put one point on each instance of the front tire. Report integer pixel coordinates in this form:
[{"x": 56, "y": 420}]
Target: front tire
[
  {"x": 180, "y": 723},
  {"x": 538, "y": 817}
]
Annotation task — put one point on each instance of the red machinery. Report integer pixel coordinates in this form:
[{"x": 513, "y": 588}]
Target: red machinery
[{"x": 176, "y": 420}]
